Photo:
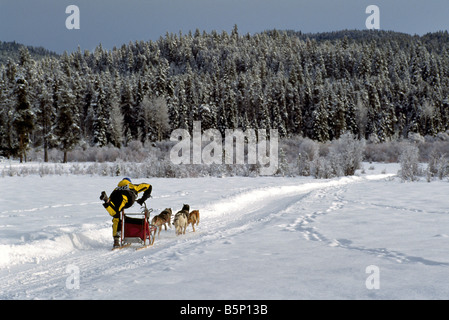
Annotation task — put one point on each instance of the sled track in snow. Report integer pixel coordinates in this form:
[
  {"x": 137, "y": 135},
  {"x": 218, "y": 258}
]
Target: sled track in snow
[{"x": 219, "y": 221}]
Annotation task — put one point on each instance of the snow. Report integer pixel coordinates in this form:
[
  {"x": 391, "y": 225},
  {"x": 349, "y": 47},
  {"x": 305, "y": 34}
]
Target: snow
[{"x": 258, "y": 238}]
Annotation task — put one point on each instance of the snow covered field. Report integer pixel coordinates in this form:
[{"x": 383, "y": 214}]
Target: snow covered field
[{"x": 370, "y": 236}]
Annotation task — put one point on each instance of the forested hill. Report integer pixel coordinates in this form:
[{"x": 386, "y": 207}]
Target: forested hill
[
  {"x": 378, "y": 85},
  {"x": 436, "y": 40},
  {"x": 10, "y": 51}
]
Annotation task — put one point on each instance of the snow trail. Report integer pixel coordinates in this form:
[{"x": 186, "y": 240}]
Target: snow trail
[
  {"x": 88, "y": 246},
  {"x": 245, "y": 230}
]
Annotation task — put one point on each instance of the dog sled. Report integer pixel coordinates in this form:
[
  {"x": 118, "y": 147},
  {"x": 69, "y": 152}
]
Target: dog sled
[{"x": 137, "y": 229}]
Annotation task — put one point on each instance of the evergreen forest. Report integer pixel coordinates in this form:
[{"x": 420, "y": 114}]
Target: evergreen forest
[{"x": 379, "y": 86}]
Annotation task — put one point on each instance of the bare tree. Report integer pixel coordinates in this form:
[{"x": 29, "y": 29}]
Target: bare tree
[
  {"x": 161, "y": 119},
  {"x": 155, "y": 118},
  {"x": 409, "y": 160},
  {"x": 361, "y": 118},
  {"x": 117, "y": 121},
  {"x": 346, "y": 154}
]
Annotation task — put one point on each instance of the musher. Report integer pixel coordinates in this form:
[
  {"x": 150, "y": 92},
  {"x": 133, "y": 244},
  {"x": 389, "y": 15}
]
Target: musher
[{"x": 123, "y": 197}]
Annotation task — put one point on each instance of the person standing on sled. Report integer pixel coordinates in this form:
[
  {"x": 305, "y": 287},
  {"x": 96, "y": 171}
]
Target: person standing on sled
[{"x": 123, "y": 197}]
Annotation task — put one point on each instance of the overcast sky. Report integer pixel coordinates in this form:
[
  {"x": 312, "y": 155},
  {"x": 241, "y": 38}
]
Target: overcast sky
[{"x": 116, "y": 22}]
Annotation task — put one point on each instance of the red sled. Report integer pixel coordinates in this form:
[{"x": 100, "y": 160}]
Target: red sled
[{"x": 137, "y": 230}]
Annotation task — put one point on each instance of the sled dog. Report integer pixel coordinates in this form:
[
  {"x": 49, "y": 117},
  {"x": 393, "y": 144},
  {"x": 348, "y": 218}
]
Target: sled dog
[
  {"x": 181, "y": 220},
  {"x": 194, "y": 218},
  {"x": 161, "y": 220},
  {"x": 166, "y": 214}
]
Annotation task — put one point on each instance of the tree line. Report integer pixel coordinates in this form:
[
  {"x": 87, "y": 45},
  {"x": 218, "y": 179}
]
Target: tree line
[{"x": 376, "y": 85}]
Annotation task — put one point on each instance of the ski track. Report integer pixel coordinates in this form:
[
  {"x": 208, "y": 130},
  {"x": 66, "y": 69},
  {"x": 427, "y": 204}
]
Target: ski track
[
  {"x": 219, "y": 221},
  {"x": 311, "y": 233}
]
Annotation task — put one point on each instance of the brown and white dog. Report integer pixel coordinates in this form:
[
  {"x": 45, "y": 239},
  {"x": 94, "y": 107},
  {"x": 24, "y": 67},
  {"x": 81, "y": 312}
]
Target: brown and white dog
[
  {"x": 161, "y": 220},
  {"x": 194, "y": 218},
  {"x": 181, "y": 220},
  {"x": 166, "y": 214}
]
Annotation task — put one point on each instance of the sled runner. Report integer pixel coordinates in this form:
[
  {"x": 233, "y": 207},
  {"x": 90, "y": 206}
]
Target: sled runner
[{"x": 137, "y": 230}]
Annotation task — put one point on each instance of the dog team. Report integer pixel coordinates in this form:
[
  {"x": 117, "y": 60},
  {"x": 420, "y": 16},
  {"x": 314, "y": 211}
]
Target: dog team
[
  {"x": 181, "y": 220},
  {"x": 124, "y": 196}
]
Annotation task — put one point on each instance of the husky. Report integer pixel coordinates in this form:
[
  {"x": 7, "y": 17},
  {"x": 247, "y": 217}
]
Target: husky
[
  {"x": 166, "y": 215},
  {"x": 194, "y": 218},
  {"x": 181, "y": 220},
  {"x": 161, "y": 220}
]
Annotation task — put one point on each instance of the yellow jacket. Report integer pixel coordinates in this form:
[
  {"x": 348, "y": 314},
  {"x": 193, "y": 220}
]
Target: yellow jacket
[{"x": 125, "y": 194}]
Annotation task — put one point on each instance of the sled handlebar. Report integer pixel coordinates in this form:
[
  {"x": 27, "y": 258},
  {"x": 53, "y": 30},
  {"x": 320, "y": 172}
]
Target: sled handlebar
[{"x": 145, "y": 209}]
